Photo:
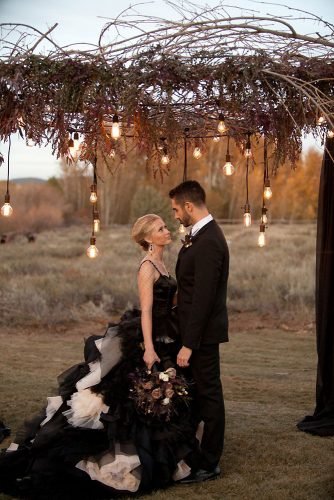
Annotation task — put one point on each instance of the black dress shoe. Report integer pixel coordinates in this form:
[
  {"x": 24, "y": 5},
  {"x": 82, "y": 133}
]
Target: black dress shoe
[{"x": 201, "y": 475}]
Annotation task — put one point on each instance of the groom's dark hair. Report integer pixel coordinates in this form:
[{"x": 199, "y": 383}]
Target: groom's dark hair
[{"x": 188, "y": 191}]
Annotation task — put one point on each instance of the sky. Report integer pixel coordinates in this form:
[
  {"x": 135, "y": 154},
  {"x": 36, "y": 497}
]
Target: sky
[{"x": 82, "y": 22}]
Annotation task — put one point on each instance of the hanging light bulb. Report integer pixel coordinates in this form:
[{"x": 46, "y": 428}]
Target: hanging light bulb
[
  {"x": 222, "y": 128},
  {"x": 197, "y": 154},
  {"x": 267, "y": 193},
  {"x": 96, "y": 221},
  {"x": 248, "y": 150},
  {"x": 262, "y": 237},
  {"x": 264, "y": 217},
  {"x": 165, "y": 158},
  {"x": 216, "y": 138},
  {"x": 7, "y": 209},
  {"x": 93, "y": 193},
  {"x": 330, "y": 134},
  {"x": 228, "y": 168},
  {"x": 321, "y": 120},
  {"x": 71, "y": 146},
  {"x": 92, "y": 250},
  {"x": 247, "y": 215},
  {"x": 115, "y": 129},
  {"x": 182, "y": 229}
]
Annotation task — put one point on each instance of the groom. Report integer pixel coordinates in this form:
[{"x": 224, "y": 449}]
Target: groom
[{"x": 202, "y": 272}]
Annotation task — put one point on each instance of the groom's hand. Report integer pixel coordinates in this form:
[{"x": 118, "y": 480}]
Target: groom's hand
[{"x": 183, "y": 357}]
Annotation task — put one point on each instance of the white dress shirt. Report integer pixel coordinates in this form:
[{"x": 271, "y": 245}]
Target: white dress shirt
[{"x": 201, "y": 223}]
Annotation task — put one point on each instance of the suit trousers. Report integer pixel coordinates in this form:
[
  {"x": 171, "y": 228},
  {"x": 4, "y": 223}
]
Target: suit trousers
[{"x": 208, "y": 405}]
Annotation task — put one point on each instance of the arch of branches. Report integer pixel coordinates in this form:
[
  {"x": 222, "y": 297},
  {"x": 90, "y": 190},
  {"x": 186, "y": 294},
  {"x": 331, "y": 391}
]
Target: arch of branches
[{"x": 162, "y": 77}]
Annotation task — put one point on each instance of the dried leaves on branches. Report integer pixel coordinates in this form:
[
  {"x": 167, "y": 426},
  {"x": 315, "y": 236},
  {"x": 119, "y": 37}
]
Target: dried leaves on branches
[{"x": 166, "y": 76}]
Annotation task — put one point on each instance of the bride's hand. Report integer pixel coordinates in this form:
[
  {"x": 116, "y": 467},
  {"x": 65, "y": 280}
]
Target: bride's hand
[{"x": 150, "y": 357}]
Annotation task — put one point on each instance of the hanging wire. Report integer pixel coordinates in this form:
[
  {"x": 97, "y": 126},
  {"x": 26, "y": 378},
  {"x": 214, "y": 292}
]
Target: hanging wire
[
  {"x": 185, "y": 166},
  {"x": 9, "y": 146},
  {"x": 265, "y": 162},
  {"x": 265, "y": 175},
  {"x": 247, "y": 171}
]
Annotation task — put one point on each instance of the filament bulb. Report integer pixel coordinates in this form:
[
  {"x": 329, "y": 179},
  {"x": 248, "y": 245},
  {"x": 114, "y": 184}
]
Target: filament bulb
[
  {"x": 197, "y": 154},
  {"x": 7, "y": 209},
  {"x": 264, "y": 217},
  {"x": 262, "y": 237},
  {"x": 165, "y": 158},
  {"x": 93, "y": 193},
  {"x": 96, "y": 222},
  {"x": 267, "y": 193},
  {"x": 228, "y": 169},
  {"x": 92, "y": 250},
  {"x": 222, "y": 128},
  {"x": 115, "y": 129},
  {"x": 247, "y": 219}
]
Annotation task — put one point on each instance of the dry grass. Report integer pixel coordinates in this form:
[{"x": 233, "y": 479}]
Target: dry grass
[
  {"x": 268, "y": 373},
  {"x": 51, "y": 282}
]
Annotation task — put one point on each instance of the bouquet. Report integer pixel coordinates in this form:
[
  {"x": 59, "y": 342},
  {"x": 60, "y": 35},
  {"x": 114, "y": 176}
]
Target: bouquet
[{"x": 159, "y": 394}]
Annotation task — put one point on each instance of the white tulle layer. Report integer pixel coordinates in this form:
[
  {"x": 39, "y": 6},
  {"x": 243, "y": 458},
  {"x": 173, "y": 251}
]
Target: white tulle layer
[
  {"x": 86, "y": 409},
  {"x": 54, "y": 403},
  {"x": 110, "y": 350},
  {"x": 119, "y": 470}
]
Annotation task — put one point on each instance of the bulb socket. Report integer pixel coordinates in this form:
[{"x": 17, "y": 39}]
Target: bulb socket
[{"x": 247, "y": 208}]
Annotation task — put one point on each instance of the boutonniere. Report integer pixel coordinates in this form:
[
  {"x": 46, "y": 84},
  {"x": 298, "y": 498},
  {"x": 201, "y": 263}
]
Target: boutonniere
[{"x": 187, "y": 241}]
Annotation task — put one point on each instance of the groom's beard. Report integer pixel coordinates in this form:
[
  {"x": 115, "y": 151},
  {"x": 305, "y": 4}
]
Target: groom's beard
[{"x": 185, "y": 220}]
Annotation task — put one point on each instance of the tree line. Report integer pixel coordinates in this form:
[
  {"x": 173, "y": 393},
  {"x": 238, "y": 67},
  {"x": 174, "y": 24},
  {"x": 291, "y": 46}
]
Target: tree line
[{"x": 128, "y": 189}]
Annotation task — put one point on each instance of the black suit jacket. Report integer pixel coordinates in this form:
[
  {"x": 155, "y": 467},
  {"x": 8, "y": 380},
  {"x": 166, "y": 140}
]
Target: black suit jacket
[{"x": 202, "y": 274}]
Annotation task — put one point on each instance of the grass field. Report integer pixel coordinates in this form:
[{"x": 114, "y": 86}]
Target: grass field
[
  {"x": 268, "y": 367},
  {"x": 52, "y": 283}
]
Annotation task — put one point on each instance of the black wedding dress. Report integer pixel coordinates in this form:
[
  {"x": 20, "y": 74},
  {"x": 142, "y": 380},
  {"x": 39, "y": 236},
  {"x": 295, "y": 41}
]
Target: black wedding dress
[{"x": 90, "y": 441}]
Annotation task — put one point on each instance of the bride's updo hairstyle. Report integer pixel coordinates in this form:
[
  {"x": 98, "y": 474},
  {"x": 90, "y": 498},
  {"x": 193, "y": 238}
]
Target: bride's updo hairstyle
[{"x": 142, "y": 228}]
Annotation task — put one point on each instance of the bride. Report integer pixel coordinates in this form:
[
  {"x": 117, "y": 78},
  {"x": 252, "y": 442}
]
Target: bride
[{"x": 121, "y": 422}]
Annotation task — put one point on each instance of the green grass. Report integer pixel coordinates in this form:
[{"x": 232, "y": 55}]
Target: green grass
[{"x": 268, "y": 373}]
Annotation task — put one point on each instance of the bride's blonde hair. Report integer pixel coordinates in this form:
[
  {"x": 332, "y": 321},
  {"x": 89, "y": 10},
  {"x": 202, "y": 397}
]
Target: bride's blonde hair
[{"x": 142, "y": 228}]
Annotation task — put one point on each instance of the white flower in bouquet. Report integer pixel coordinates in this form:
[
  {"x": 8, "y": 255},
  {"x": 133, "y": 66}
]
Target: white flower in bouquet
[{"x": 164, "y": 376}]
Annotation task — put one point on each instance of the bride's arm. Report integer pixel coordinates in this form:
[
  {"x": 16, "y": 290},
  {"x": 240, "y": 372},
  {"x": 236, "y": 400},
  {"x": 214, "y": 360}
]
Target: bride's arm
[{"x": 146, "y": 277}]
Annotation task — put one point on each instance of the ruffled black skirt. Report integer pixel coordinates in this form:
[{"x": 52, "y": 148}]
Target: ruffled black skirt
[{"x": 98, "y": 438}]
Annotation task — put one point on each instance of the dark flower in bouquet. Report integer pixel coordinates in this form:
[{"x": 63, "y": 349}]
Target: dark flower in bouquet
[{"x": 159, "y": 395}]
